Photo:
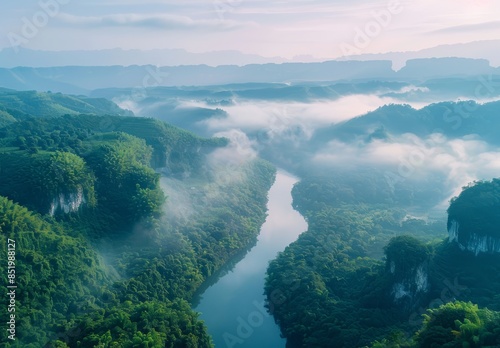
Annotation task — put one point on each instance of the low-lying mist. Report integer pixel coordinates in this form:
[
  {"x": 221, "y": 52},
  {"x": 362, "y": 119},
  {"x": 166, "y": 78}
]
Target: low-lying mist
[
  {"x": 222, "y": 168},
  {"x": 285, "y": 132},
  {"x": 448, "y": 164}
]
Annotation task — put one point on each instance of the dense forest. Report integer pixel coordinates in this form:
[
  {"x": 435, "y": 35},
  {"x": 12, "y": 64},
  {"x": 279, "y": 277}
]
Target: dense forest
[
  {"x": 15, "y": 105},
  {"x": 100, "y": 261},
  {"x": 453, "y": 119},
  {"x": 117, "y": 222},
  {"x": 364, "y": 274}
]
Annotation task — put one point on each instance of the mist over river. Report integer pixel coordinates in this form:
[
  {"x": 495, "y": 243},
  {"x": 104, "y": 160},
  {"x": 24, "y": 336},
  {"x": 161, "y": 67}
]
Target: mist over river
[{"x": 233, "y": 308}]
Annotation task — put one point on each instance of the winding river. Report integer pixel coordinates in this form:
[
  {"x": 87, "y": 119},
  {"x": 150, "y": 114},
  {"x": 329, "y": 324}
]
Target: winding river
[{"x": 233, "y": 308}]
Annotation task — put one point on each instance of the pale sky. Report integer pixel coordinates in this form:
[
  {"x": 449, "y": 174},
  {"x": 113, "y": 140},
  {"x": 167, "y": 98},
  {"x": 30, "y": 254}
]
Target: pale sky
[{"x": 319, "y": 28}]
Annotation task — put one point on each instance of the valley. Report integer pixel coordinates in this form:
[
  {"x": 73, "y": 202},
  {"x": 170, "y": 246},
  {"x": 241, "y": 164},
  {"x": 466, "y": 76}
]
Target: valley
[{"x": 284, "y": 214}]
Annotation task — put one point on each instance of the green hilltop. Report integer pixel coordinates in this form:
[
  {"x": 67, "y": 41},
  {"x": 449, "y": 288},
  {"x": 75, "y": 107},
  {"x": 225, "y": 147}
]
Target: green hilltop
[{"x": 100, "y": 262}]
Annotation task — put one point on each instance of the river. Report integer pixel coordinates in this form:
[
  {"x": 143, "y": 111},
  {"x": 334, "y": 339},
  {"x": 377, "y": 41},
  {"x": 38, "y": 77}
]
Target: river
[{"x": 233, "y": 308}]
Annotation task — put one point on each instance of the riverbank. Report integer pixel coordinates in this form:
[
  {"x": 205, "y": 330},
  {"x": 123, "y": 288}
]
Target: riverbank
[{"x": 233, "y": 308}]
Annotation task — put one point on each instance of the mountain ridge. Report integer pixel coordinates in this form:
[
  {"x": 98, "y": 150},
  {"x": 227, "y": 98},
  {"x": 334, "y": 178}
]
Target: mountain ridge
[
  {"x": 83, "y": 79},
  {"x": 486, "y": 49}
]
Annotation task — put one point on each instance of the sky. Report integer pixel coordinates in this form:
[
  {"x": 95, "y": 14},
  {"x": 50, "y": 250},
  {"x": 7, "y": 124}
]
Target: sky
[{"x": 288, "y": 29}]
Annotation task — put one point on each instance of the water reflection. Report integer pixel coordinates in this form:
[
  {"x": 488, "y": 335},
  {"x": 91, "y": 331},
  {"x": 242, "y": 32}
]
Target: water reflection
[{"x": 233, "y": 308}]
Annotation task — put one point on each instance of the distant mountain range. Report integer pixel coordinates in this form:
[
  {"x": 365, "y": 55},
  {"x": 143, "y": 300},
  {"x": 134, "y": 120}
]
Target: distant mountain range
[
  {"x": 487, "y": 49},
  {"x": 116, "y": 56},
  {"x": 83, "y": 79}
]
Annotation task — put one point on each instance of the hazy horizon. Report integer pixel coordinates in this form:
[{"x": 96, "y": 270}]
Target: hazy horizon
[{"x": 288, "y": 31}]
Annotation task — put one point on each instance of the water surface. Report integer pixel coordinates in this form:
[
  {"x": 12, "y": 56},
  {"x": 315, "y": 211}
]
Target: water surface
[{"x": 233, "y": 308}]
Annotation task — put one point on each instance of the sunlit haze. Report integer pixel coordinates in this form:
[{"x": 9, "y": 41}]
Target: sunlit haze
[{"x": 300, "y": 29}]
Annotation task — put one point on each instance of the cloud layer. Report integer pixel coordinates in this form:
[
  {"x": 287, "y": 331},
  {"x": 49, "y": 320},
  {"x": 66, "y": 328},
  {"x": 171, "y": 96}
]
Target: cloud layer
[
  {"x": 277, "y": 117},
  {"x": 151, "y": 21}
]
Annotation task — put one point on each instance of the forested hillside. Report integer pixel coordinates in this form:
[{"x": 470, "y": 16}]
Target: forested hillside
[
  {"x": 99, "y": 259},
  {"x": 452, "y": 119},
  {"x": 23, "y": 104},
  {"x": 333, "y": 288}
]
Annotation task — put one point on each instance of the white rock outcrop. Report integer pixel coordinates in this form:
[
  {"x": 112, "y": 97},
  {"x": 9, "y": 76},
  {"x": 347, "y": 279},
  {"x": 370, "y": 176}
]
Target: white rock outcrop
[
  {"x": 473, "y": 242},
  {"x": 67, "y": 203}
]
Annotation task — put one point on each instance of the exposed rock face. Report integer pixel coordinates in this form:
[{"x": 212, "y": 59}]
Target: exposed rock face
[
  {"x": 474, "y": 217},
  {"x": 407, "y": 262},
  {"x": 67, "y": 203},
  {"x": 412, "y": 286},
  {"x": 453, "y": 231},
  {"x": 472, "y": 241}
]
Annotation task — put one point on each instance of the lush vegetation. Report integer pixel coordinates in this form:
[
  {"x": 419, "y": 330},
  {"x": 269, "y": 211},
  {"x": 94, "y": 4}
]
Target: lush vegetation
[
  {"x": 363, "y": 187},
  {"x": 19, "y": 105},
  {"x": 477, "y": 205},
  {"x": 323, "y": 292},
  {"x": 57, "y": 274},
  {"x": 397, "y": 119},
  {"x": 454, "y": 324},
  {"x": 146, "y": 324},
  {"x": 101, "y": 259},
  {"x": 37, "y": 180},
  {"x": 459, "y": 324},
  {"x": 330, "y": 288}
]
